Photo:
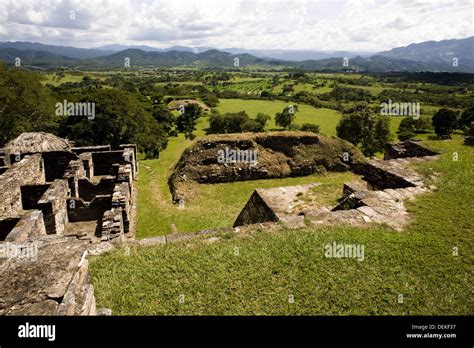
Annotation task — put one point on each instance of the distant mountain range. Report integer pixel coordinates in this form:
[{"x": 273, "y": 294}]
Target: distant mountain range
[
  {"x": 279, "y": 54},
  {"x": 70, "y": 52},
  {"x": 426, "y": 56}
]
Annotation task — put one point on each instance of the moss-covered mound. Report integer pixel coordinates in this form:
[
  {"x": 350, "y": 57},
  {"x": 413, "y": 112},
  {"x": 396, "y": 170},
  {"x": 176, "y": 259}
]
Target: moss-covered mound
[{"x": 253, "y": 156}]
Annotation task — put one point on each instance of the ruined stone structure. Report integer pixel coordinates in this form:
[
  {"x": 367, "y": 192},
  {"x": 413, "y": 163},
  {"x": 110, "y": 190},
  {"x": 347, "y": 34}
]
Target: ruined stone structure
[
  {"x": 379, "y": 198},
  {"x": 408, "y": 148},
  {"x": 60, "y": 199},
  {"x": 278, "y": 155}
]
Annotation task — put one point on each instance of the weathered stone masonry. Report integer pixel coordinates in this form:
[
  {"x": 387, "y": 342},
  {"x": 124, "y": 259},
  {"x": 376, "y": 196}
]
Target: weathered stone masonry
[
  {"x": 62, "y": 200},
  {"x": 379, "y": 199}
]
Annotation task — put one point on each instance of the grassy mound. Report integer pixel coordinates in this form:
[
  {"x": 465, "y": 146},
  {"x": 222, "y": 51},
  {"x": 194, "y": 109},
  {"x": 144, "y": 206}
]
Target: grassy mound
[{"x": 278, "y": 154}]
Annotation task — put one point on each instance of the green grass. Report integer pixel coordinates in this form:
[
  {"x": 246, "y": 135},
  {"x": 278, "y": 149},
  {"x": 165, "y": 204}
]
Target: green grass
[
  {"x": 327, "y": 119},
  {"x": 270, "y": 266}
]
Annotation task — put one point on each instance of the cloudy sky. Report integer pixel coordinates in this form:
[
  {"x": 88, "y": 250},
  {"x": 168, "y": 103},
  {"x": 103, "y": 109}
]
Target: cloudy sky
[{"x": 356, "y": 25}]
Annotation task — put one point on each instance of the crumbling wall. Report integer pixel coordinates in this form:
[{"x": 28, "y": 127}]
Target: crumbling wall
[
  {"x": 30, "y": 225},
  {"x": 56, "y": 163},
  {"x": 88, "y": 164},
  {"x": 408, "y": 148},
  {"x": 94, "y": 148},
  {"x": 53, "y": 281},
  {"x": 53, "y": 205},
  {"x": 72, "y": 173},
  {"x": 64, "y": 201},
  {"x": 387, "y": 174},
  {"x": 121, "y": 199},
  {"x": 104, "y": 161},
  {"x": 88, "y": 190},
  {"x": 28, "y": 171},
  {"x": 79, "y": 210},
  {"x": 278, "y": 155},
  {"x": 112, "y": 226},
  {"x": 380, "y": 199}
]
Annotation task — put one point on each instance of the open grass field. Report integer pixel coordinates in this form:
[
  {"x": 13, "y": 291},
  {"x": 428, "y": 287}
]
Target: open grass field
[
  {"x": 327, "y": 119},
  {"x": 259, "y": 273},
  {"x": 55, "y": 80}
]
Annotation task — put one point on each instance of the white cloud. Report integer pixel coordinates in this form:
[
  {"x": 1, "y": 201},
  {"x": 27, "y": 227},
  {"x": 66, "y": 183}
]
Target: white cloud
[{"x": 363, "y": 25}]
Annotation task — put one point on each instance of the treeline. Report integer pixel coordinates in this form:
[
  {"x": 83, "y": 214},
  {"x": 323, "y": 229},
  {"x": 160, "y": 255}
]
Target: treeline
[
  {"x": 446, "y": 99},
  {"x": 120, "y": 116},
  {"x": 444, "y": 122}
]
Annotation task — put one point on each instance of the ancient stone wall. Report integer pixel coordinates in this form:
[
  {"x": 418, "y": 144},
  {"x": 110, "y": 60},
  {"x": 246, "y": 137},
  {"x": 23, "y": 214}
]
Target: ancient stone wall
[
  {"x": 56, "y": 164},
  {"x": 79, "y": 210},
  {"x": 53, "y": 281},
  {"x": 30, "y": 225},
  {"x": 381, "y": 176},
  {"x": 379, "y": 200},
  {"x": 104, "y": 161},
  {"x": 53, "y": 206},
  {"x": 112, "y": 226},
  {"x": 88, "y": 190},
  {"x": 26, "y": 172},
  {"x": 255, "y": 210},
  {"x": 278, "y": 155},
  {"x": 65, "y": 201},
  {"x": 408, "y": 148}
]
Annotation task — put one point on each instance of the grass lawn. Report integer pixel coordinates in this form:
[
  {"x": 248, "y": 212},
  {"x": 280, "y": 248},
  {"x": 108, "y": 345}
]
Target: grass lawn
[{"x": 258, "y": 273}]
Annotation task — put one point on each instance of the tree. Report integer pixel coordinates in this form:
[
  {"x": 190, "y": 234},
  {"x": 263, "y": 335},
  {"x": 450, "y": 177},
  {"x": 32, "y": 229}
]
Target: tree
[
  {"x": 209, "y": 99},
  {"x": 350, "y": 128},
  {"x": 467, "y": 117},
  {"x": 261, "y": 121},
  {"x": 275, "y": 80},
  {"x": 406, "y": 129},
  {"x": 422, "y": 124},
  {"x": 286, "y": 117},
  {"x": 119, "y": 119},
  {"x": 186, "y": 121},
  {"x": 381, "y": 135},
  {"x": 366, "y": 129},
  {"x": 287, "y": 90},
  {"x": 444, "y": 122},
  {"x": 165, "y": 118},
  {"x": 25, "y": 105},
  {"x": 236, "y": 122}
]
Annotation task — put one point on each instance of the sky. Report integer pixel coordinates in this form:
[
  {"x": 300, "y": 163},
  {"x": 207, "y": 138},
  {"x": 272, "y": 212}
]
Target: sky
[{"x": 349, "y": 25}]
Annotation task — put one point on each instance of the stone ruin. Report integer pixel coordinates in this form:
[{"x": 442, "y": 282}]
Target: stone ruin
[
  {"x": 278, "y": 155},
  {"x": 57, "y": 204},
  {"x": 377, "y": 199}
]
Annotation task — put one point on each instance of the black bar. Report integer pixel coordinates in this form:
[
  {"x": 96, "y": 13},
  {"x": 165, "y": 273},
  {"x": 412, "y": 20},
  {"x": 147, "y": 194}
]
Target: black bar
[{"x": 138, "y": 331}]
